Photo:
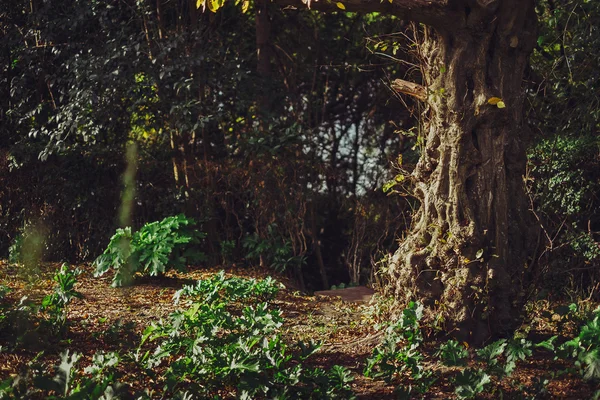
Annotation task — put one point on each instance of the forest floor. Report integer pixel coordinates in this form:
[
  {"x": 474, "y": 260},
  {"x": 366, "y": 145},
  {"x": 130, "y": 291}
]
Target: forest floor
[{"x": 113, "y": 319}]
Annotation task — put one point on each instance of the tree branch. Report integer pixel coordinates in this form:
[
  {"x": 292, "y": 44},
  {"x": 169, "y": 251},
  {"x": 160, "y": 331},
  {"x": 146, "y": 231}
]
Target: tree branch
[
  {"x": 410, "y": 88},
  {"x": 436, "y": 13}
]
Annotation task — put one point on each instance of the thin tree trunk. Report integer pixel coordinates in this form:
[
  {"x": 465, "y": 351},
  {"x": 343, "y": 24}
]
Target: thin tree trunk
[
  {"x": 314, "y": 233},
  {"x": 263, "y": 51}
]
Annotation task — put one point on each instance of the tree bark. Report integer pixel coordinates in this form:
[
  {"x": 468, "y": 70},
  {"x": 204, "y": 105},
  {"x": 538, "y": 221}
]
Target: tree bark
[{"x": 467, "y": 254}]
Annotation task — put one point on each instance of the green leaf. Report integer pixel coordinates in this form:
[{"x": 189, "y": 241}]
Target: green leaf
[
  {"x": 388, "y": 186},
  {"x": 547, "y": 344},
  {"x": 492, "y": 350},
  {"x": 592, "y": 361},
  {"x": 340, "y": 5},
  {"x": 518, "y": 350}
]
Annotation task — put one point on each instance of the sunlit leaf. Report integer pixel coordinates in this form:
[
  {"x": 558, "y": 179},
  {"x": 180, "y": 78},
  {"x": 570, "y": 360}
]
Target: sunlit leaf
[
  {"x": 340, "y": 6},
  {"x": 245, "y": 6},
  {"x": 494, "y": 100},
  {"x": 213, "y": 5}
]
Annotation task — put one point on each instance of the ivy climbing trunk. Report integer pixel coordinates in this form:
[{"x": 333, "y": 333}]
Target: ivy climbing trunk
[{"x": 468, "y": 253}]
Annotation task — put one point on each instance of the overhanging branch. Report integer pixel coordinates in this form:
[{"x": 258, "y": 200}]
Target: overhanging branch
[
  {"x": 410, "y": 88},
  {"x": 436, "y": 13}
]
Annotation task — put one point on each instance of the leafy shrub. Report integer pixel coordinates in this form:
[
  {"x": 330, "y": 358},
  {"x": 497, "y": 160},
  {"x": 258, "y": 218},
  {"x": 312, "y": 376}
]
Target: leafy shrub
[{"x": 156, "y": 247}]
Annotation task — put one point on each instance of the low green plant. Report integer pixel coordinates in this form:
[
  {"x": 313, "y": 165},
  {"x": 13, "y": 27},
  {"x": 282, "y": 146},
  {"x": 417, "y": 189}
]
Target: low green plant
[
  {"x": 585, "y": 348},
  {"x": 155, "y": 248},
  {"x": 399, "y": 353},
  {"x": 498, "y": 359},
  {"x": 219, "y": 288},
  {"x": 57, "y": 303},
  {"x": 4, "y": 290},
  {"x": 14, "y": 251},
  {"x": 98, "y": 381},
  {"x": 453, "y": 354},
  {"x": 471, "y": 382},
  {"x": 213, "y": 345}
]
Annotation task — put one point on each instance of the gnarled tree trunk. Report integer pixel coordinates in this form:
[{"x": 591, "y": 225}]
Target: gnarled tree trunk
[{"x": 468, "y": 253}]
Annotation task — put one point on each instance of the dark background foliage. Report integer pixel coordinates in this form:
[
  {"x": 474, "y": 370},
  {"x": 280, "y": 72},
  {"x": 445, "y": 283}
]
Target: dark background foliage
[{"x": 297, "y": 157}]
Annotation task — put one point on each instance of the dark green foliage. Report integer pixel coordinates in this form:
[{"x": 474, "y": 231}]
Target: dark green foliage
[
  {"x": 80, "y": 80},
  {"x": 564, "y": 163},
  {"x": 274, "y": 250},
  {"x": 154, "y": 249}
]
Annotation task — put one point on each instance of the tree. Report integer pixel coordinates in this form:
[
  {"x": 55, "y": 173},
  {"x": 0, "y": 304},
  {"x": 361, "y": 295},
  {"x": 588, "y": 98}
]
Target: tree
[{"x": 469, "y": 252}]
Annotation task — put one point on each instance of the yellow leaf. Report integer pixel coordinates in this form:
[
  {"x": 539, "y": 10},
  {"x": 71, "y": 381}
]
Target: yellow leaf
[
  {"x": 340, "y": 6},
  {"x": 500, "y": 104},
  {"x": 494, "y": 100},
  {"x": 199, "y": 3},
  {"x": 245, "y": 6},
  {"x": 213, "y": 5}
]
